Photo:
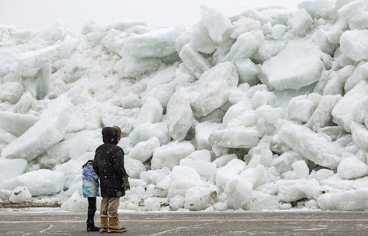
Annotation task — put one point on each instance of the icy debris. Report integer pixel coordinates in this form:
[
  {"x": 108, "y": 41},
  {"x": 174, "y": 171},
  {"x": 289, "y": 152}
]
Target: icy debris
[{"x": 20, "y": 194}]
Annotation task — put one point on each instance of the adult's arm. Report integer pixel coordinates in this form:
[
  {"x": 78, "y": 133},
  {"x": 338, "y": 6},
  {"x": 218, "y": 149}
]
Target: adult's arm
[{"x": 118, "y": 164}]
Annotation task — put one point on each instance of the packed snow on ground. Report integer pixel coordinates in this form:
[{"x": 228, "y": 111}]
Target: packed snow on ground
[{"x": 262, "y": 110}]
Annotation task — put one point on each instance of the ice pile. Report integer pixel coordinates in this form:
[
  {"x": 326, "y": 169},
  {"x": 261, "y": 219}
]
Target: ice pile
[{"x": 265, "y": 109}]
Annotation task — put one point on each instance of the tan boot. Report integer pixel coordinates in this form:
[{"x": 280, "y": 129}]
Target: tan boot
[
  {"x": 114, "y": 226},
  {"x": 104, "y": 224}
]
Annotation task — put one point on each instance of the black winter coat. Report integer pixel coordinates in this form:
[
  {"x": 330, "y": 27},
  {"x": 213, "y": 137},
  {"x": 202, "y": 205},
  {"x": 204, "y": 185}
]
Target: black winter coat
[{"x": 109, "y": 164}]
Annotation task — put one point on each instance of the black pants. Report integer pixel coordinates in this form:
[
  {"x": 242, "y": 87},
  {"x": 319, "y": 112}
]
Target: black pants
[
  {"x": 91, "y": 211},
  {"x": 91, "y": 204}
]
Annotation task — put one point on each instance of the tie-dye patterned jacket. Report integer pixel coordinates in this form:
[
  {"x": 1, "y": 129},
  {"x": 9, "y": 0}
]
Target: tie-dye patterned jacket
[{"x": 90, "y": 183}]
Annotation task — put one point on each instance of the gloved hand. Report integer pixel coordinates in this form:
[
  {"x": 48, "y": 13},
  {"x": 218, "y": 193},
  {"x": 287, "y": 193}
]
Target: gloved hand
[{"x": 126, "y": 184}]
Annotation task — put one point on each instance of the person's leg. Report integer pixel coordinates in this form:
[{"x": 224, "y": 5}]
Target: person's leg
[
  {"x": 104, "y": 214},
  {"x": 91, "y": 214},
  {"x": 113, "y": 216}
]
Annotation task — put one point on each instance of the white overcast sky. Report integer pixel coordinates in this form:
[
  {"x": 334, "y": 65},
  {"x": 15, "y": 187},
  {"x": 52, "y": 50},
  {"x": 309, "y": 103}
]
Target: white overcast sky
[{"x": 35, "y": 14}]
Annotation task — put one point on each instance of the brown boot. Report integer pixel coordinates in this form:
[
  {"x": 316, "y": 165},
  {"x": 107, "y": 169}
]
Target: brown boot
[
  {"x": 114, "y": 226},
  {"x": 104, "y": 224}
]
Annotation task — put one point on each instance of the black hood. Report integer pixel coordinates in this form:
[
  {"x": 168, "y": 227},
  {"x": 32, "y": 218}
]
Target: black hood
[{"x": 109, "y": 135}]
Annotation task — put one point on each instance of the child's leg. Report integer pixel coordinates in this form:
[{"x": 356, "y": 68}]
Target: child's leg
[
  {"x": 91, "y": 214},
  {"x": 91, "y": 208}
]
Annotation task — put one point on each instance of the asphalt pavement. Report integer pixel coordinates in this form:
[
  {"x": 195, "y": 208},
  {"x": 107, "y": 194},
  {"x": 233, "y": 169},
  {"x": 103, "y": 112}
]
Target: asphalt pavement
[{"x": 50, "y": 221}]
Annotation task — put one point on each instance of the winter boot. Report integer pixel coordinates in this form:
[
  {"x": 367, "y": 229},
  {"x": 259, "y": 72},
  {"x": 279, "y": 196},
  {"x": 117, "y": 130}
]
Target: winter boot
[
  {"x": 90, "y": 222},
  {"x": 104, "y": 224},
  {"x": 91, "y": 227},
  {"x": 114, "y": 226}
]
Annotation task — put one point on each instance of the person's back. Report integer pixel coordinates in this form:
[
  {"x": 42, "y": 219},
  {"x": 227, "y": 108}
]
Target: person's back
[{"x": 109, "y": 166}]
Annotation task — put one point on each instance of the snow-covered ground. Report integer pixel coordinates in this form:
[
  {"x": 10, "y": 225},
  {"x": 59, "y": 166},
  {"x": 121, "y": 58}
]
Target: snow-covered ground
[{"x": 257, "y": 111}]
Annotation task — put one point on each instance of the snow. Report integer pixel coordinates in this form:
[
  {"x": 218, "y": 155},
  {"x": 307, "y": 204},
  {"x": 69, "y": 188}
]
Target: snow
[{"x": 253, "y": 111}]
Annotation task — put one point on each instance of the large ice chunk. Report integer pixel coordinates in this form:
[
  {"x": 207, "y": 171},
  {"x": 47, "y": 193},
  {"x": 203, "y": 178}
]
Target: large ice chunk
[
  {"x": 235, "y": 137},
  {"x": 360, "y": 72},
  {"x": 238, "y": 193},
  {"x": 301, "y": 63},
  {"x": 352, "y": 8},
  {"x": 147, "y": 131},
  {"x": 352, "y": 200},
  {"x": 213, "y": 87},
  {"x": 206, "y": 169},
  {"x": 11, "y": 168},
  {"x": 301, "y": 108},
  {"x": 245, "y": 46},
  {"x": 192, "y": 59},
  {"x": 179, "y": 114},
  {"x": 360, "y": 135},
  {"x": 247, "y": 71},
  {"x": 131, "y": 66},
  {"x": 317, "y": 8},
  {"x": 354, "y": 44},
  {"x": 16, "y": 124},
  {"x": 351, "y": 168},
  {"x": 229, "y": 171},
  {"x": 294, "y": 190},
  {"x": 11, "y": 92},
  {"x": 150, "y": 113},
  {"x": 342, "y": 113},
  {"x": 301, "y": 22},
  {"x": 244, "y": 24},
  {"x": 199, "y": 198},
  {"x": 20, "y": 194},
  {"x": 39, "y": 182},
  {"x": 49, "y": 130},
  {"x": 144, "y": 150},
  {"x": 202, "y": 133},
  {"x": 134, "y": 167},
  {"x": 309, "y": 144},
  {"x": 216, "y": 24},
  {"x": 359, "y": 21},
  {"x": 182, "y": 178},
  {"x": 171, "y": 154},
  {"x": 321, "y": 116},
  {"x": 159, "y": 43}
]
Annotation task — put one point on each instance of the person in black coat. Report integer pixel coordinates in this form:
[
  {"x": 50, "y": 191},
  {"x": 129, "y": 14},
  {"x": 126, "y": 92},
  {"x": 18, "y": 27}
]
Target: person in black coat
[{"x": 109, "y": 166}]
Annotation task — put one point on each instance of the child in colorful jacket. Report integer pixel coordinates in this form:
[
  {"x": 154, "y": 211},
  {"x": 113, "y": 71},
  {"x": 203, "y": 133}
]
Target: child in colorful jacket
[{"x": 90, "y": 187}]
